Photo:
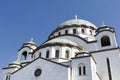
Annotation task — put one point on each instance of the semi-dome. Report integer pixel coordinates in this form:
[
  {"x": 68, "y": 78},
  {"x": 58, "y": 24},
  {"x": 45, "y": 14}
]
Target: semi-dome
[
  {"x": 77, "y": 22},
  {"x": 61, "y": 40}
]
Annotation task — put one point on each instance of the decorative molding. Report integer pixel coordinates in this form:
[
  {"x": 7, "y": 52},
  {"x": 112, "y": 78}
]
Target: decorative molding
[
  {"x": 72, "y": 26},
  {"x": 37, "y": 59},
  {"x": 104, "y": 50}
]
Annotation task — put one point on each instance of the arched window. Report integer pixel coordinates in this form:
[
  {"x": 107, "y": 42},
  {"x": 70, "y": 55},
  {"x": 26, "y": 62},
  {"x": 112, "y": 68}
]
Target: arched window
[
  {"x": 74, "y": 31},
  {"x": 82, "y": 31},
  {"x": 66, "y": 54},
  {"x": 82, "y": 69},
  {"x": 40, "y": 54},
  {"x": 105, "y": 41},
  {"x": 24, "y": 55},
  {"x": 66, "y": 31},
  {"x": 57, "y": 54},
  {"x": 47, "y": 54},
  {"x": 59, "y": 33},
  {"x": 90, "y": 33}
]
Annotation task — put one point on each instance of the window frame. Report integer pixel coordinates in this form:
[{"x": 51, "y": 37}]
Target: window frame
[
  {"x": 57, "y": 53},
  {"x": 105, "y": 41}
]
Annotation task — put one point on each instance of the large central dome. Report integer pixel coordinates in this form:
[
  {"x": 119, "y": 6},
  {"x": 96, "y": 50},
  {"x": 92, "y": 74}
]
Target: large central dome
[
  {"x": 77, "y": 27},
  {"x": 77, "y": 22}
]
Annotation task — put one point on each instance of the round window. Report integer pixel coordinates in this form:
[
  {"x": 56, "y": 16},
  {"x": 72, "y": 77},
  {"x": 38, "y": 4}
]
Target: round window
[{"x": 37, "y": 72}]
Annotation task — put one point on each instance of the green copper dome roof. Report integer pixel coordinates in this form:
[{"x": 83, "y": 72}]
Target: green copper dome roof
[{"x": 77, "y": 22}]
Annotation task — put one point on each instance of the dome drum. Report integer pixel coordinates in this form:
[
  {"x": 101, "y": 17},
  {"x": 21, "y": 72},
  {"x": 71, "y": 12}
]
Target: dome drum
[
  {"x": 59, "y": 42},
  {"x": 74, "y": 24}
]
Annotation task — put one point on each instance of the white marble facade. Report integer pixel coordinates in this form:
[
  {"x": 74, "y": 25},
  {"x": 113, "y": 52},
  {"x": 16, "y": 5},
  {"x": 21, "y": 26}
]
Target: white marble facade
[{"x": 75, "y": 50}]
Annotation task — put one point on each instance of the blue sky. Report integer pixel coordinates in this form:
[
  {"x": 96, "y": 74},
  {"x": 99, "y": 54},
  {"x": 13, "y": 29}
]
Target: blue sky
[{"x": 22, "y": 19}]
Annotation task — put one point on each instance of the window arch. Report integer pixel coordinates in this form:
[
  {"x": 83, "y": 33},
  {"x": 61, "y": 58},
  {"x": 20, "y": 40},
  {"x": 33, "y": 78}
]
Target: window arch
[
  {"x": 82, "y": 69},
  {"x": 90, "y": 33},
  {"x": 47, "y": 54},
  {"x": 82, "y": 31},
  {"x": 74, "y": 31},
  {"x": 40, "y": 54},
  {"x": 105, "y": 41},
  {"x": 24, "y": 55},
  {"x": 57, "y": 54},
  {"x": 66, "y": 54},
  {"x": 59, "y": 33},
  {"x": 66, "y": 31}
]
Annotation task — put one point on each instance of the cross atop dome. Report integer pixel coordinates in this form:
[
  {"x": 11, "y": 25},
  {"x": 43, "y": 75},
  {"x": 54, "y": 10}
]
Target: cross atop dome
[
  {"x": 103, "y": 24},
  {"x": 31, "y": 39},
  {"x": 76, "y": 17}
]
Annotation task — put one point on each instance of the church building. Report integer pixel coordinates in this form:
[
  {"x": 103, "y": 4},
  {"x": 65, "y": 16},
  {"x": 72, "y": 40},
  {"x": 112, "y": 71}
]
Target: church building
[{"x": 75, "y": 50}]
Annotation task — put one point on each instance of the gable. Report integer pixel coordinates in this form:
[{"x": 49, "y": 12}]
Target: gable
[{"x": 49, "y": 69}]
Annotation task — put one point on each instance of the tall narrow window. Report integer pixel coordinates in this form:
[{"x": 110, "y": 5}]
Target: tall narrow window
[
  {"x": 74, "y": 31},
  {"x": 80, "y": 70},
  {"x": 84, "y": 70},
  {"x": 109, "y": 69},
  {"x": 66, "y": 54},
  {"x": 47, "y": 54},
  {"x": 66, "y": 31},
  {"x": 8, "y": 77},
  {"x": 56, "y": 53},
  {"x": 105, "y": 41},
  {"x": 40, "y": 54},
  {"x": 59, "y": 33},
  {"x": 82, "y": 31},
  {"x": 90, "y": 33}
]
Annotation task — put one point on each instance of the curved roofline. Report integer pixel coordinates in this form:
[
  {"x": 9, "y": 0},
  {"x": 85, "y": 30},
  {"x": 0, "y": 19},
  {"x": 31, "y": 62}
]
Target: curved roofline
[
  {"x": 77, "y": 21},
  {"x": 74, "y": 36},
  {"x": 71, "y": 26},
  {"x": 56, "y": 44},
  {"x": 61, "y": 40}
]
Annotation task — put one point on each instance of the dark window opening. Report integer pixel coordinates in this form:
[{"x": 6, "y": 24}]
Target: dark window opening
[
  {"x": 37, "y": 72},
  {"x": 59, "y": 33},
  {"x": 8, "y": 77},
  {"x": 66, "y": 31},
  {"x": 83, "y": 31},
  {"x": 109, "y": 69},
  {"x": 105, "y": 41},
  {"x": 74, "y": 31},
  {"x": 66, "y": 54},
  {"x": 90, "y": 32},
  {"x": 84, "y": 70},
  {"x": 40, "y": 55},
  {"x": 24, "y": 55},
  {"x": 56, "y": 53},
  {"x": 47, "y": 54},
  {"x": 79, "y": 70}
]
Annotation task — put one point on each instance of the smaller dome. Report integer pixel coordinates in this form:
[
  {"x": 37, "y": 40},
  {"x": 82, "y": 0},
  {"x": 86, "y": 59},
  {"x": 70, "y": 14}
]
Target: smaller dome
[
  {"x": 78, "y": 22},
  {"x": 61, "y": 40}
]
